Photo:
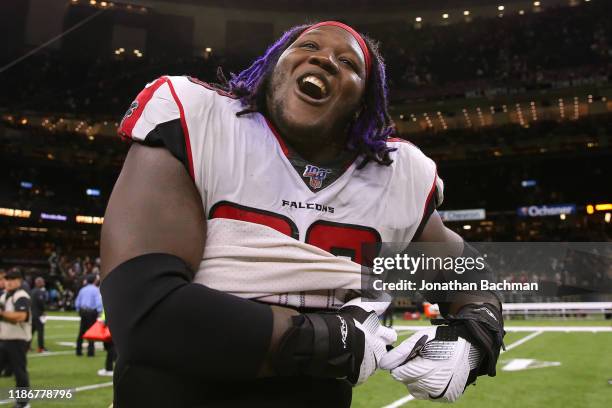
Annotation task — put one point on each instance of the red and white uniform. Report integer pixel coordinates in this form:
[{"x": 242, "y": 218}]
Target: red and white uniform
[{"x": 269, "y": 235}]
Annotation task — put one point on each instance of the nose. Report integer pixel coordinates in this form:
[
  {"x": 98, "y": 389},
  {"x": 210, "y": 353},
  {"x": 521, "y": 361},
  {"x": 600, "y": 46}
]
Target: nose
[{"x": 326, "y": 61}]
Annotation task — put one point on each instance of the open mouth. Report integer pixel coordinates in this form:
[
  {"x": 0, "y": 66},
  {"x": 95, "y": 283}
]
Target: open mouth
[{"x": 312, "y": 86}]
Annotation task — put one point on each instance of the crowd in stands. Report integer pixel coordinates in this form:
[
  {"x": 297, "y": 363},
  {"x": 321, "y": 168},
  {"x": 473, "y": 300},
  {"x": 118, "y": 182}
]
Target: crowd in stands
[
  {"x": 64, "y": 276},
  {"x": 556, "y": 47}
]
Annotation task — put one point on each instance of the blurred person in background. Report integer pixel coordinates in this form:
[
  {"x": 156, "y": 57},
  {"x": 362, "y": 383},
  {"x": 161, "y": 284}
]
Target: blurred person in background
[
  {"x": 89, "y": 305},
  {"x": 5, "y": 369},
  {"x": 111, "y": 355},
  {"x": 39, "y": 302},
  {"x": 15, "y": 329},
  {"x": 2, "y": 280}
]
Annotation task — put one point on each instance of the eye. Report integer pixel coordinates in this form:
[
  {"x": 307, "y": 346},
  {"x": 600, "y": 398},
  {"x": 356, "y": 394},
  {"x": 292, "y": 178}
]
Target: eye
[
  {"x": 310, "y": 45},
  {"x": 348, "y": 62}
]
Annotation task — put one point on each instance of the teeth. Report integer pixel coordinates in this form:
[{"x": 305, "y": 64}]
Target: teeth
[{"x": 317, "y": 82}]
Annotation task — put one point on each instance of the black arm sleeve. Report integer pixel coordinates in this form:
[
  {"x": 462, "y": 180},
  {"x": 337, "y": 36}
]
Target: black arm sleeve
[{"x": 160, "y": 319}]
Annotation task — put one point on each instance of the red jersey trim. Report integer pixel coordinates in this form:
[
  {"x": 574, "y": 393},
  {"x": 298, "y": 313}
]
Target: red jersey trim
[
  {"x": 184, "y": 126},
  {"x": 281, "y": 142},
  {"x": 137, "y": 107}
]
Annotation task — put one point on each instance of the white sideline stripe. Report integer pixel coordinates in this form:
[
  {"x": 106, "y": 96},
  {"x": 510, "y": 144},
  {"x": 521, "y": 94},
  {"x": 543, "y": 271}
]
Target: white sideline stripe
[
  {"x": 97, "y": 344},
  {"x": 563, "y": 329},
  {"x": 517, "y": 343},
  {"x": 77, "y": 389},
  {"x": 65, "y": 318}
]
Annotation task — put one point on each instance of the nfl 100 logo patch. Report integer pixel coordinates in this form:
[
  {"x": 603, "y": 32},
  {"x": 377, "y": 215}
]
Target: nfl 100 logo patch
[{"x": 316, "y": 175}]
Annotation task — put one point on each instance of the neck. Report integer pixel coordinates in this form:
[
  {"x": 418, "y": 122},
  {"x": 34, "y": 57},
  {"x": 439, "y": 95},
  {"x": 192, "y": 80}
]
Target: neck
[{"x": 314, "y": 145}]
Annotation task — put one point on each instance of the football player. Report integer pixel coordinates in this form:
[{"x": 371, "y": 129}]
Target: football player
[{"x": 231, "y": 246}]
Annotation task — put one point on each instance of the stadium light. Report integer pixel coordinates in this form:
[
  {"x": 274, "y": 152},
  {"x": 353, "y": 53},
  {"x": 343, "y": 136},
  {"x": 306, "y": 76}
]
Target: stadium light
[
  {"x": 88, "y": 219},
  {"x": 445, "y": 15},
  {"x": 14, "y": 212}
]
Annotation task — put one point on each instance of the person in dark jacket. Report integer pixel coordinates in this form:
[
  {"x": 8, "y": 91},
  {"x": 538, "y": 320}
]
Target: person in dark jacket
[{"x": 39, "y": 302}]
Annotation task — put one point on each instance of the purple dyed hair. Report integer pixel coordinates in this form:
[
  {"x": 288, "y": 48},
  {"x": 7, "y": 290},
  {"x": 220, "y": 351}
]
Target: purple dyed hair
[{"x": 369, "y": 131}]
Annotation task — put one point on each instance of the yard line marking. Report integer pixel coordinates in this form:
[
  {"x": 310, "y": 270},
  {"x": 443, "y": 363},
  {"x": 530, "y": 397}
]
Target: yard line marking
[
  {"x": 517, "y": 343},
  {"x": 400, "y": 402},
  {"x": 50, "y": 353},
  {"x": 93, "y": 386},
  {"x": 522, "y": 341},
  {"x": 74, "y": 389}
]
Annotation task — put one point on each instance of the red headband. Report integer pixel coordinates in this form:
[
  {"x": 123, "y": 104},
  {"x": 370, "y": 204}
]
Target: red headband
[{"x": 355, "y": 34}]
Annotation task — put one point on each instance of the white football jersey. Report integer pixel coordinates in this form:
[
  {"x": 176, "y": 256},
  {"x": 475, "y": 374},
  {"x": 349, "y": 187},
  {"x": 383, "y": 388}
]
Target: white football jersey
[{"x": 276, "y": 232}]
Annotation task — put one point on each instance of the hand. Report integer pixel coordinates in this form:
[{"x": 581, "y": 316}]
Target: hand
[
  {"x": 376, "y": 336},
  {"x": 431, "y": 367},
  {"x": 438, "y": 363}
]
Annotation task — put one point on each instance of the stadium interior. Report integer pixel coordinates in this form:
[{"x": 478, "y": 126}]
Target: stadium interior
[{"x": 511, "y": 98}]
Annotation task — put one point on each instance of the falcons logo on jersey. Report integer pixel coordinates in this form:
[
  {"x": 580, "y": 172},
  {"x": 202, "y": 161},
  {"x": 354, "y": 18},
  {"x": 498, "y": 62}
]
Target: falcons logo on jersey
[{"x": 316, "y": 175}]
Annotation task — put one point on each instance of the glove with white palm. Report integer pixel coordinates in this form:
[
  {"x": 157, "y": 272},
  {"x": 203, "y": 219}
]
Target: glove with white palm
[{"x": 438, "y": 363}]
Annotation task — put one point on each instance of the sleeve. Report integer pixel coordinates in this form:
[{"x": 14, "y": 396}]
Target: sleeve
[
  {"x": 22, "y": 304},
  {"x": 434, "y": 200},
  {"x": 157, "y": 118},
  {"x": 99, "y": 307}
]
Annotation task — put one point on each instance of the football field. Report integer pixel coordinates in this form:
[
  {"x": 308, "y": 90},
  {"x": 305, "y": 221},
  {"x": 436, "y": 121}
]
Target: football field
[{"x": 552, "y": 363}]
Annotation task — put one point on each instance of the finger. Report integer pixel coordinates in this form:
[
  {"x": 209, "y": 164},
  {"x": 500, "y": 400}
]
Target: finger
[
  {"x": 369, "y": 305},
  {"x": 387, "y": 334},
  {"x": 398, "y": 355}
]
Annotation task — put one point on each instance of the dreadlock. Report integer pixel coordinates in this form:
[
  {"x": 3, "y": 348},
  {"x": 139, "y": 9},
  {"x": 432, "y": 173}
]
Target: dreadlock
[{"x": 367, "y": 133}]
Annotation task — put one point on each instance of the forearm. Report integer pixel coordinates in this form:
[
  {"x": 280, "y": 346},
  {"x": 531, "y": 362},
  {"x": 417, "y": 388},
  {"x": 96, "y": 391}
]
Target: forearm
[
  {"x": 155, "y": 314},
  {"x": 15, "y": 317}
]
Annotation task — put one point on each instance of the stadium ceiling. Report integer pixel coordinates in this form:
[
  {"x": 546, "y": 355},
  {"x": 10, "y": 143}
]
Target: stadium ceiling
[{"x": 334, "y": 5}]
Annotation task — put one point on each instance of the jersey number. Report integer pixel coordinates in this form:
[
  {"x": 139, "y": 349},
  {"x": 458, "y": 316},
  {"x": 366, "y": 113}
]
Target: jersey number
[{"x": 336, "y": 238}]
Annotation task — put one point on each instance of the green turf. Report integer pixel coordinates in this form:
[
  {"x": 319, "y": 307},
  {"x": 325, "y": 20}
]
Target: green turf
[
  {"x": 580, "y": 381},
  {"x": 66, "y": 371}
]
